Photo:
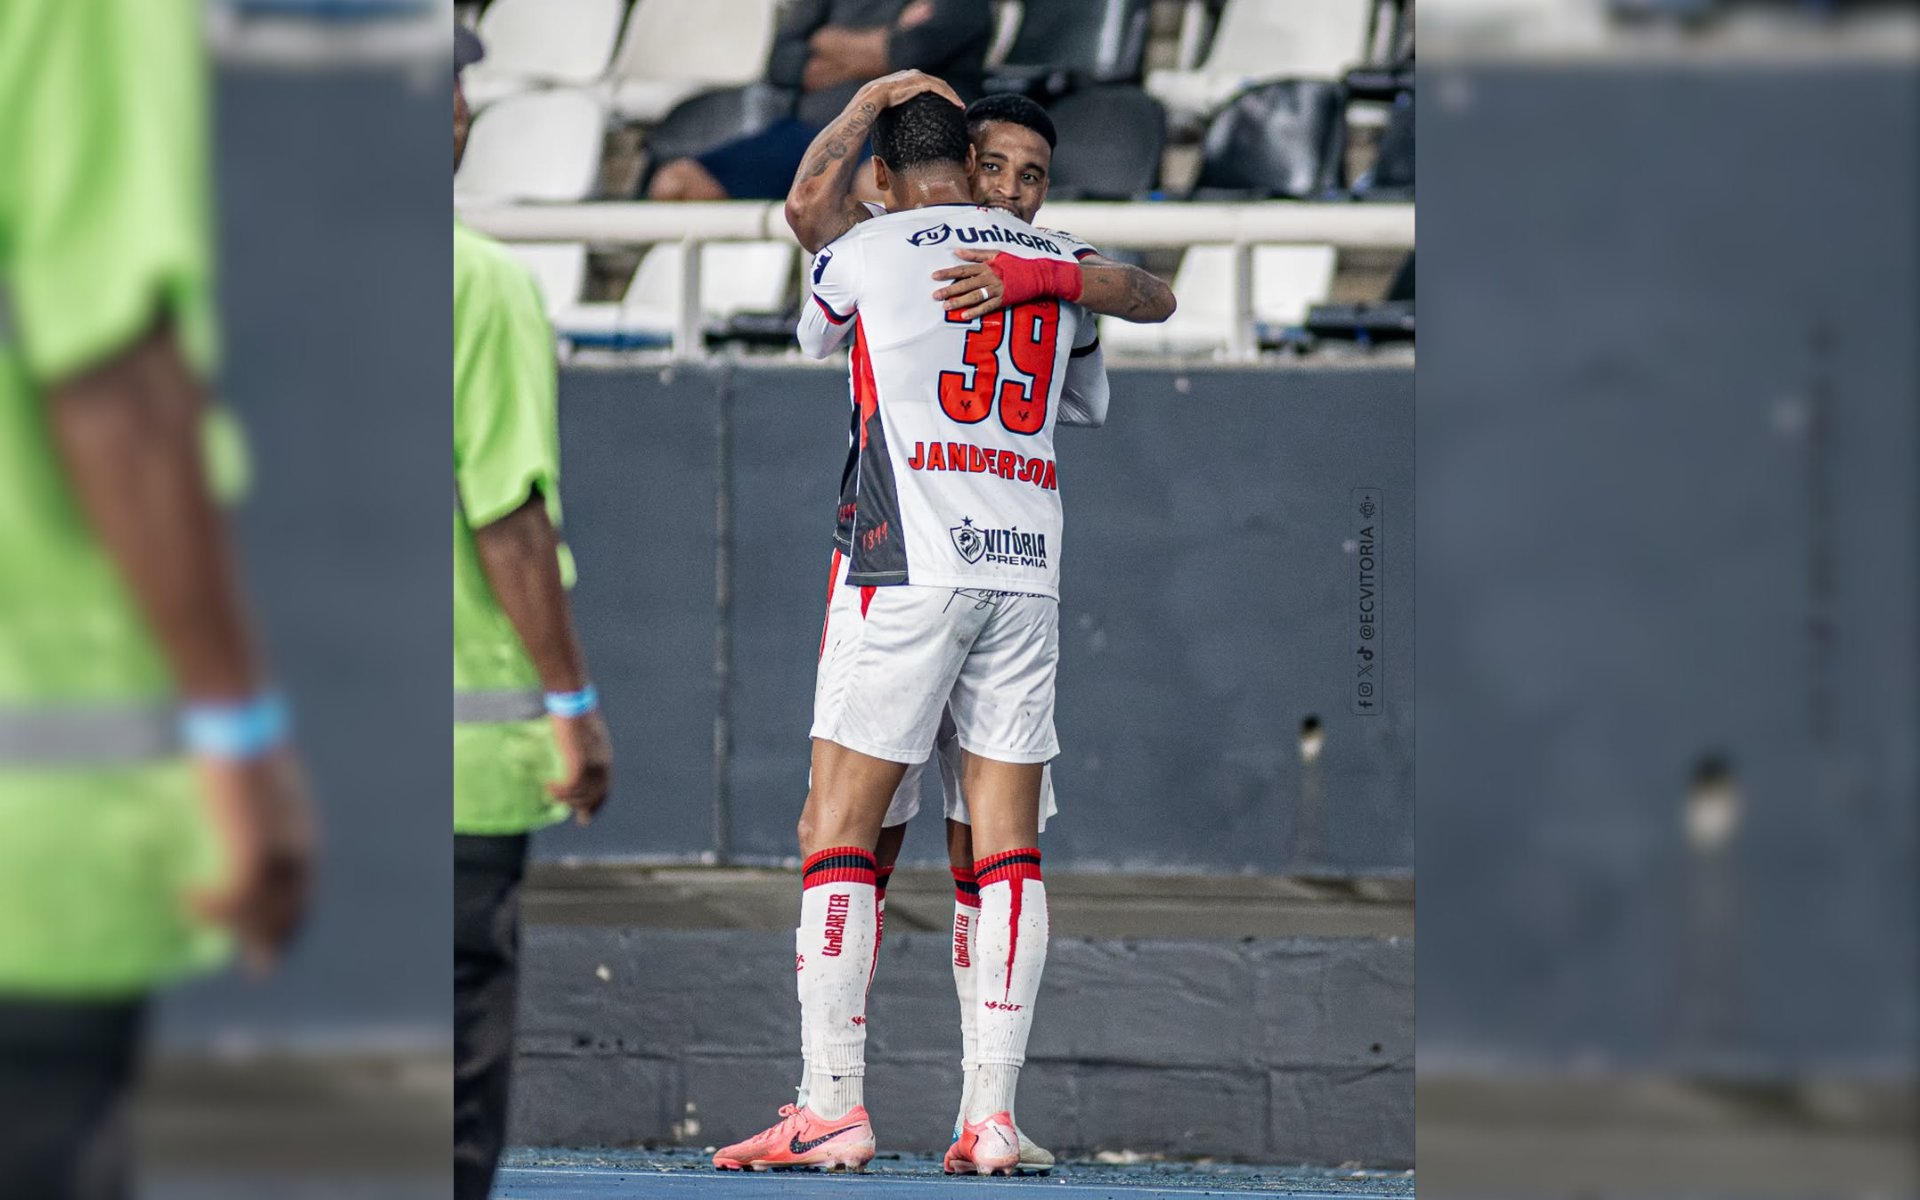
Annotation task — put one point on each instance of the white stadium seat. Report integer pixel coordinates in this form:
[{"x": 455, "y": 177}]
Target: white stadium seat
[
  {"x": 735, "y": 277},
  {"x": 1266, "y": 39},
  {"x": 560, "y": 268},
  {"x": 536, "y": 146},
  {"x": 536, "y": 43},
  {"x": 674, "y": 48},
  {"x": 1287, "y": 280},
  {"x": 1006, "y": 26}
]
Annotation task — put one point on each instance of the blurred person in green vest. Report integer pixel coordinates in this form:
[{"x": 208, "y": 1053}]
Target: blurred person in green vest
[
  {"x": 529, "y": 743},
  {"x": 152, "y": 813}
]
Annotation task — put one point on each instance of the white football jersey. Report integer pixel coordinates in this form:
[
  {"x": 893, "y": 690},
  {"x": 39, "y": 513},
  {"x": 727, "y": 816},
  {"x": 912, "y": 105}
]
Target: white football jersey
[
  {"x": 1072, "y": 412},
  {"x": 955, "y": 482}
]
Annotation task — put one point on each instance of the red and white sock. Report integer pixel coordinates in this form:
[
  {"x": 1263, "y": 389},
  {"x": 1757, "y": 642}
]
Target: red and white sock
[
  {"x": 966, "y": 917},
  {"x": 879, "y": 935},
  {"x": 1010, "y": 951},
  {"x": 836, "y": 940}
]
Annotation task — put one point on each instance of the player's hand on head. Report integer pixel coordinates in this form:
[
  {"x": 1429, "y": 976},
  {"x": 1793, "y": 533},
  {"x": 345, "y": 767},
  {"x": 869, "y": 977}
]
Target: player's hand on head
[
  {"x": 902, "y": 86},
  {"x": 586, "y": 756},
  {"x": 972, "y": 287},
  {"x": 260, "y": 810}
]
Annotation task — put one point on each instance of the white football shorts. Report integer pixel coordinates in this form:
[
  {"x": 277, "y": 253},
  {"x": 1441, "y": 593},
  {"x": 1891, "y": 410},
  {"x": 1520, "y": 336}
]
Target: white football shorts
[
  {"x": 946, "y": 750},
  {"x": 894, "y": 659}
]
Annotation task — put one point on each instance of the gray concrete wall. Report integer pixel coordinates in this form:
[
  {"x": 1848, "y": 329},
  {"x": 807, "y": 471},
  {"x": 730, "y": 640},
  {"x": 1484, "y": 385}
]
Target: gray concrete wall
[
  {"x": 1669, "y": 509},
  {"x": 1209, "y": 607},
  {"x": 1272, "y": 1050}
]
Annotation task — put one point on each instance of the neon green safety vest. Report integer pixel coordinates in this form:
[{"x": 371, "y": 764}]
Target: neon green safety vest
[{"x": 506, "y": 442}]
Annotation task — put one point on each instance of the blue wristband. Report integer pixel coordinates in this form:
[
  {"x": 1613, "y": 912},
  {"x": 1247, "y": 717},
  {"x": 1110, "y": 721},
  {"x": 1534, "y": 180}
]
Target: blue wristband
[
  {"x": 245, "y": 730},
  {"x": 573, "y": 704}
]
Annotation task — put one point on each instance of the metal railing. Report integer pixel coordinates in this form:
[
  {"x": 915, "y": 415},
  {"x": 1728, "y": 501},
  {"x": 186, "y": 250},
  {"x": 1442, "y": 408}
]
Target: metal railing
[{"x": 1137, "y": 226}]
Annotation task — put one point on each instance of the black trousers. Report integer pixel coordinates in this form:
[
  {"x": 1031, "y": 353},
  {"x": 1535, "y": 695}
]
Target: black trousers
[
  {"x": 486, "y": 983},
  {"x": 67, "y": 1072}
]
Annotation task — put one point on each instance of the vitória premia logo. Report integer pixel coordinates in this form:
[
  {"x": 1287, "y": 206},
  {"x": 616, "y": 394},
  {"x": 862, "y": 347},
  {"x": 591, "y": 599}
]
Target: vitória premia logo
[{"x": 1008, "y": 547}]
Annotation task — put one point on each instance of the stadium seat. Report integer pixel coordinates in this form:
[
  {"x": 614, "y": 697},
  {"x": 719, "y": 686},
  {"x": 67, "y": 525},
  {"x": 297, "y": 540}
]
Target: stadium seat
[
  {"x": 535, "y": 43},
  {"x": 535, "y": 146},
  {"x": 1110, "y": 143},
  {"x": 735, "y": 277},
  {"x": 703, "y": 121},
  {"x": 1064, "y": 44},
  {"x": 1402, "y": 286},
  {"x": 1277, "y": 140},
  {"x": 675, "y": 48},
  {"x": 1382, "y": 83},
  {"x": 1363, "y": 324},
  {"x": 1265, "y": 39},
  {"x": 1391, "y": 176},
  {"x": 1006, "y": 23},
  {"x": 1287, "y": 281},
  {"x": 560, "y": 268}
]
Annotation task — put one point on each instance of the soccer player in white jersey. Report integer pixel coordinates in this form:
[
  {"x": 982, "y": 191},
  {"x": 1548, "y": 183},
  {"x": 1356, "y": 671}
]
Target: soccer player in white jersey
[
  {"x": 1013, "y": 140},
  {"x": 957, "y": 533}
]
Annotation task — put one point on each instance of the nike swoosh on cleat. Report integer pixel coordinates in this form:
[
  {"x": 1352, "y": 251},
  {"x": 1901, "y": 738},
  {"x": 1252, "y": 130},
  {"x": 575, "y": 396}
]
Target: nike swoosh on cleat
[{"x": 800, "y": 1147}]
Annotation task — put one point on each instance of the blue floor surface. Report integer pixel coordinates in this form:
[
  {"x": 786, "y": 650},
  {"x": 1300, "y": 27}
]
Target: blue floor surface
[{"x": 591, "y": 1175}]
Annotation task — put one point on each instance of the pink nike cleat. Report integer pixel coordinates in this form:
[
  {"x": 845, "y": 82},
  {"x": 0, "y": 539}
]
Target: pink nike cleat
[
  {"x": 989, "y": 1147},
  {"x": 802, "y": 1140}
]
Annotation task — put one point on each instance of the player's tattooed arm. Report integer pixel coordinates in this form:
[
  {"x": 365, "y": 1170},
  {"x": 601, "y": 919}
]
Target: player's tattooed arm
[
  {"x": 1128, "y": 292},
  {"x": 1112, "y": 289},
  {"x": 820, "y": 206}
]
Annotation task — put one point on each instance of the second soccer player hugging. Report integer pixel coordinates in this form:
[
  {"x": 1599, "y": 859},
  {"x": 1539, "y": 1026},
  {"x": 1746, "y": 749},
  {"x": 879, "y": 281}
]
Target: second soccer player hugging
[{"x": 941, "y": 638}]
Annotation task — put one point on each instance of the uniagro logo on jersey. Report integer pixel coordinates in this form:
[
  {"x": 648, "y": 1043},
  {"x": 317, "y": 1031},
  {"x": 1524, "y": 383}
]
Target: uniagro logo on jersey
[
  {"x": 1007, "y": 547},
  {"x": 1009, "y": 237},
  {"x": 933, "y": 235}
]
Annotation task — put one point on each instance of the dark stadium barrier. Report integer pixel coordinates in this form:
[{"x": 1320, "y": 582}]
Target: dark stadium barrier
[
  {"x": 1279, "y": 1050},
  {"x": 1214, "y": 612},
  {"x": 1669, "y": 509}
]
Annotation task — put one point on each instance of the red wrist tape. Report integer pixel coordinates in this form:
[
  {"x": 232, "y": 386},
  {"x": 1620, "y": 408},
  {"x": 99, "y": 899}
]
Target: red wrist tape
[{"x": 1023, "y": 279}]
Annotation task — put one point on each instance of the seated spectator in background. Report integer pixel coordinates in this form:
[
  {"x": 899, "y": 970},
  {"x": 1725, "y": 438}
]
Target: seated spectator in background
[{"x": 827, "y": 49}]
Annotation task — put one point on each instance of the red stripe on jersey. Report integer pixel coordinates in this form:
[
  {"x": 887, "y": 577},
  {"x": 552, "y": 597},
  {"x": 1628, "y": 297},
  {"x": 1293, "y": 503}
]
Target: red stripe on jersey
[
  {"x": 833, "y": 577},
  {"x": 866, "y": 395},
  {"x": 866, "y": 600}
]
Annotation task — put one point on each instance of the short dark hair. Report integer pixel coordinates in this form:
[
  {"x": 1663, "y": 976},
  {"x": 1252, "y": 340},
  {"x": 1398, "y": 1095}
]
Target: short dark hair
[
  {"x": 924, "y": 130},
  {"x": 1014, "y": 109}
]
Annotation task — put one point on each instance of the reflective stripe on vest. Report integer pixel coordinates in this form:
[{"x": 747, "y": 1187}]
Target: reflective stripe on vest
[
  {"x": 497, "y": 708},
  {"x": 97, "y": 735}
]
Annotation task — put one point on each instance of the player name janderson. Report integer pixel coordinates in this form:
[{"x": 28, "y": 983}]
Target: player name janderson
[{"x": 961, "y": 456}]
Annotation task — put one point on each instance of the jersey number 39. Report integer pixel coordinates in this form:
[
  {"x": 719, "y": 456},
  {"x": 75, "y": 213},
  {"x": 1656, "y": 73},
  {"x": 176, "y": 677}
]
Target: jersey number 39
[{"x": 1030, "y": 331}]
